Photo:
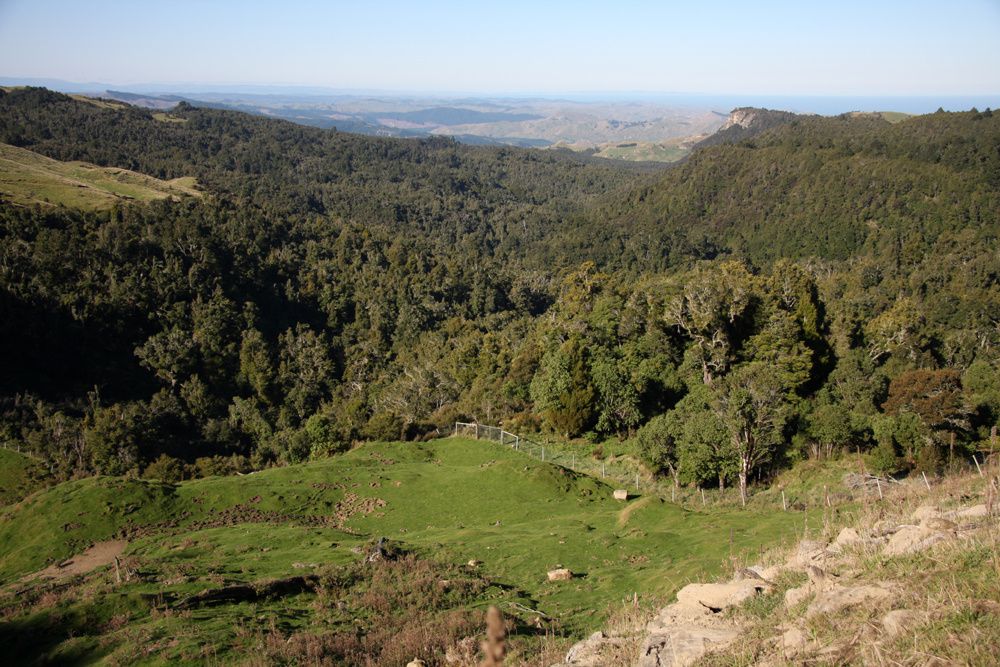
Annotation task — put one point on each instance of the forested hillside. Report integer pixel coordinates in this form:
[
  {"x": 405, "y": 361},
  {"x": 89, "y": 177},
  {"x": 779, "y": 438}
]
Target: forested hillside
[{"x": 830, "y": 283}]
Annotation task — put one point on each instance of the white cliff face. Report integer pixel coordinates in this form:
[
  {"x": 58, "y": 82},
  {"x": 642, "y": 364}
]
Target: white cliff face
[{"x": 743, "y": 117}]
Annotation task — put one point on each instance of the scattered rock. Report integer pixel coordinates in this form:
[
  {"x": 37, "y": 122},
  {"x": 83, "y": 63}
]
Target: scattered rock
[
  {"x": 938, "y": 523},
  {"x": 621, "y": 494},
  {"x": 475, "y": 563},
  {"x": 717, "y": 597},
  {"x": 911, "y": 539},
  {"x": 838, "y": 597},
  {"x": 846, "y": 538},
  {"x": 883, "y": 528},
  {"x": 794, "y": 596},
  {"x": 974, "y": 512},
  {"x": 560, "y": 574},
  {"x": 795, "y": 642},
  {"x": 590, "y": 651},
  {"x": 809, "y": 552},
  {"x": 924, "y": 512},
  {"x": 683, "y": 644},
  {"x": 898, "y": 621}
]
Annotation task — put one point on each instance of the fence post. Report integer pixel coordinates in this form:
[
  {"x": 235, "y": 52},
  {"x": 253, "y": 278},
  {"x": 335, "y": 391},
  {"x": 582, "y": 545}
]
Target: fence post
[
  {"x": 517, "y": 442},
  {"x": 456, "y": 428},
  {"x": 477, "y": 430},
  {"x": 637, "y": 482},
  {"x": 603, "y": 470}
]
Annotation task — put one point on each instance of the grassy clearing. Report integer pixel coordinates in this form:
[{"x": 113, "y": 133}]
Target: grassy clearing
[
  {"x": 28, "y": 178},
  {"x": 448, "y": 502},
  {"x": 642, "y": 152},
  {"x": 167, "y": 118}
]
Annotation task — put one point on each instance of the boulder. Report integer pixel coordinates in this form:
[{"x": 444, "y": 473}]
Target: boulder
[
  {"x": 838, "y": 597},
  {"x": 808, "y": 553},
  {"x": 621, "y": 494},
  {"x": 560, "y": 574},
  {"x": 846, "y": 538},
  {"x": 938, "y": 523},
  {"x": 883, "y": 528},
  {"x": 591, "y": 651},
  {"x": 717, "y": 597},
  {"x": 795, "y": 642},
  {"x": 911, "y": 539},
  {"x": 680, "y": 645},
  {"x": 794, "y": 596},
  {"x": 924, "y": 512},
  {"x": 974, "y": 512}
]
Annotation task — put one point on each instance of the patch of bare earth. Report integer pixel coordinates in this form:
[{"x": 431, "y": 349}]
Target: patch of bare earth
[{"x": 98, "y": 555}]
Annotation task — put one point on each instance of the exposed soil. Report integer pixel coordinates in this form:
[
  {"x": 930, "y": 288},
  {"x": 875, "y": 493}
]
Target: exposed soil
[{"x": 98, "y": 555}]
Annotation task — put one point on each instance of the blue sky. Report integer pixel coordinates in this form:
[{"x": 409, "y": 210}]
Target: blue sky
[{"x": 776, "y": 47}]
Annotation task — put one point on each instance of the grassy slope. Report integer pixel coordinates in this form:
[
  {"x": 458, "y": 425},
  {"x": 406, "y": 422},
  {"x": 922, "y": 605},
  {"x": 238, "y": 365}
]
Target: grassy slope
[
  {"x": 452, "y": 500},
  {"x": 29, "y": 178}
]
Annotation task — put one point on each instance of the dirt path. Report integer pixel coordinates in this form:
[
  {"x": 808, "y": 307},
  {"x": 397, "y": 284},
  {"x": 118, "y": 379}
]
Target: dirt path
[
  {"x": 626, "y": 513},
  {"x": 100, "y": 554}
]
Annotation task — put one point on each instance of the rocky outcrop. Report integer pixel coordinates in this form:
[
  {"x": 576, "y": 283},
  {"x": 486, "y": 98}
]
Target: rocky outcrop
[
  {"x": 744, "y": 123},
  {"x": 692, "y": 626}
]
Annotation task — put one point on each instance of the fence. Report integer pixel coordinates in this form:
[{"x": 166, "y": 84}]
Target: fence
[{"x": 614, "y": 471}]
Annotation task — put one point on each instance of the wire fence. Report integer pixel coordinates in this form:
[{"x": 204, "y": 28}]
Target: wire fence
[
  {"x": 627, "y": 475},
  {"x": 616, "y": 473}
]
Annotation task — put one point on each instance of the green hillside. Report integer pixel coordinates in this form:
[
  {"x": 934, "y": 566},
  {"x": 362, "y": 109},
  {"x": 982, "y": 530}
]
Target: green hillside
[
  {"x": 450, "y": 501},
  {"x": 27, "y": 178}
]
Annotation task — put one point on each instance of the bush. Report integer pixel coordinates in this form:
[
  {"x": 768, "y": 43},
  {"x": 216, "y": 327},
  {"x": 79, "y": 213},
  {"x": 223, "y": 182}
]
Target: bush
[
  {"x": 884, "y": 460},
  {"x": 167, "y": 469},
  {"x": 385, "y": 426}
]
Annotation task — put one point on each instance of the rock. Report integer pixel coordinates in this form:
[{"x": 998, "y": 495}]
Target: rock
[
  {"x": 911, "y": 539},
  {"x": 771, "y": 573},
  {"x": 883, "y": 528},
  {"x": 974, "y": 512},
  {"x": 717, "y": 597},
  {"x": 475, "y": 563},
  {"x": 676, "y": 614},
  {"x": 924, "y": 512},
  {"x": 899, "y": 621},
  {"x": 589, "y": 652},
  {"x": 808, "y": 553},
  {"x": 847, "y": 537},
  {"x": 794, "y": 596},
  {"x": 816, "y": 575},
  {"x": 795, "y": 642},
  {"x": 416, "y": 662},
  {"x": 938, "y": 523},
  {"x": 621, "y": 494},
  {"x": 838, "y": 597},
  {"x": 681, "y": 645},
  {"x": 560, "y": 574}
]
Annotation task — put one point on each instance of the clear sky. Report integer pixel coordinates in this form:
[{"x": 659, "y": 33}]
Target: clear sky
[{"x": 800, "y": 47}]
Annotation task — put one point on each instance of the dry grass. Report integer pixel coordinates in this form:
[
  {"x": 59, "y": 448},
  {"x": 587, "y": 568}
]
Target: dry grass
[{"x": 953, "y": 589}]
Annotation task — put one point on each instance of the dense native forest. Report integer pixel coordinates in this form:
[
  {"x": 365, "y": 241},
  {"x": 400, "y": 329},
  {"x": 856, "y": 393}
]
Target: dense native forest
[{"x": 830, "y": 284}]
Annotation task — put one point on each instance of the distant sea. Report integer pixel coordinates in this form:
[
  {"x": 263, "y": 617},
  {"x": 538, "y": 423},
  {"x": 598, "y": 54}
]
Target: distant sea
[{"x": 824, "y": 105}]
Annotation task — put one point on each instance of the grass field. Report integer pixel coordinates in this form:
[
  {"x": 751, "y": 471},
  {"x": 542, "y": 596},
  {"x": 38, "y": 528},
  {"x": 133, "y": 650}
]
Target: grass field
[
  {"x": 642, "y": 152},
  {"x": 448, "y": 502},
  {"x": 28, "y": 178}
]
